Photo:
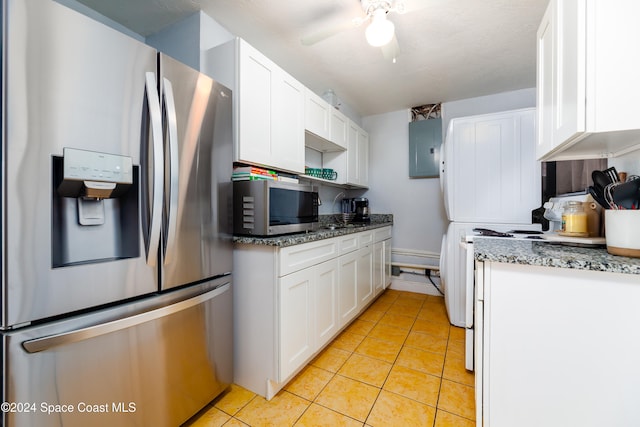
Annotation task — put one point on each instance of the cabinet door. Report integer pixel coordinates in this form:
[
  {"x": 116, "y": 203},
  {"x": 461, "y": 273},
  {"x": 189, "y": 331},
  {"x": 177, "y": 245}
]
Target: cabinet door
[
  {"x": 363, "y": 158},
  {"x": 347, "y": 298},
  {"x": 287, "y": 123},
  {"x": 353, "y": 175},
  {"x": 379, "y": 270},
  {"x": 364, "y": 276},
  {"x": 326, "y": 297},
  {"x": 387, "y": 263},
  {"x": 317, "y": 115},
  {"x": 339, "y": 127},
  {"x": 296, "y": 320},
  {"x": 254, "y": 118},
  {"x": 570, "y": 70},
  {"x": 545, "y": 83}
]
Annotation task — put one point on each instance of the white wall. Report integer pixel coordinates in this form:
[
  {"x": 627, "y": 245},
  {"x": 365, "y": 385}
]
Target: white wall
[
  {"x": 416, "y": 204},
  {"x": 189, "y": 39},
  {"x": 629, "y": 163}
]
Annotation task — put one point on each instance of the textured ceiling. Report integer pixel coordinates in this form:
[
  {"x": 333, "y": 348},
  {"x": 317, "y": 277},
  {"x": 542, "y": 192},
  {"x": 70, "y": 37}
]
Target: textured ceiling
[{"x": 449, "y": 49}]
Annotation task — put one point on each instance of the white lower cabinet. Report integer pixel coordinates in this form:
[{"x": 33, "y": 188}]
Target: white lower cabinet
[
  {"x": 326, "y": 302},
  {"x": 348, "y": 299},
  {"x": 297, "y": 332},
  {"x": 365, "y": 276},
  {"x": 556, "y": 347},
  {"x": 381, "y": 266},
  {"x": 308, "y": 313},
  {"x": 290, "y": 302}
]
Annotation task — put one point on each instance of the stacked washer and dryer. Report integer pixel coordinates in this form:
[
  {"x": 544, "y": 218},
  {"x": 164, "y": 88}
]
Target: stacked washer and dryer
[{"x": 490, "y": 179}]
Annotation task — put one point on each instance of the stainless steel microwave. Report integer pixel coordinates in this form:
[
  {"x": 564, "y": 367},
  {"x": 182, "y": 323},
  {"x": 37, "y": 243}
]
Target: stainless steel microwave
[{"x": 267, "y": 208}]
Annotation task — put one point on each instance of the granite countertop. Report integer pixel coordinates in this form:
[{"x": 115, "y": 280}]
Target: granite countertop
[
  {"x": 550, "y": 254},
  {"x": 377, "y": 221}
]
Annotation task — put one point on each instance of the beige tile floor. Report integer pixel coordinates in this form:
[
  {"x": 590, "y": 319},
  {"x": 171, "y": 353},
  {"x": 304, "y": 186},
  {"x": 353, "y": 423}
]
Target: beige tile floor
[{"x": 399, "y": 364}]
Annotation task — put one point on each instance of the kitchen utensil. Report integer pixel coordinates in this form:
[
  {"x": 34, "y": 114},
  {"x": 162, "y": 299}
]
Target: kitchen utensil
[
  {"x": 624, "y": 194},
  {"x": 598, "y": 196},
  {"x": 491, "y": 233},
  {"x": 613, "y": 174},
  {"x": 345, "y": 217},
  {"x": 600, "y": 179}
]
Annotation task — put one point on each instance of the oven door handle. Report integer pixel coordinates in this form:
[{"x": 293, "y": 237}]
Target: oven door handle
[{"x": 46, "y": 343}]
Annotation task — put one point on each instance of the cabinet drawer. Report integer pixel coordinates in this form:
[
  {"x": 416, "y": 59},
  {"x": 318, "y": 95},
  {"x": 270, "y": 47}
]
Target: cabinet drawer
[
  {"x": 348, "y": 243},
  {"x": 365, "y": 238},
  {"x": 380, "y": 234},
  {"x": 294, "y": 258}
]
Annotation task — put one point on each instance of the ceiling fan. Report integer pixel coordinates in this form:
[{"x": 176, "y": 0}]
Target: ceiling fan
[{"x": 379, "y": 33}]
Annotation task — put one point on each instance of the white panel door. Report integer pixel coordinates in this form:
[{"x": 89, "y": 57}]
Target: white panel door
[
  {"x": 348, "y": 299},
  {"x": 365, "y": 279},
  {"x": 296, "y": 320},
  {"x": 326, "y": 301},
  {"x": 254, "y": 139},
  {"x": 287, "y": 125}
]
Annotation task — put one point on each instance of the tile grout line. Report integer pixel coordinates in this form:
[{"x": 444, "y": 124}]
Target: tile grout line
[{"x": 389, "y": 303}]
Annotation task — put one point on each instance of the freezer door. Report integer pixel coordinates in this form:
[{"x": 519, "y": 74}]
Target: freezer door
[
  {"x": 71, "y": 82},
  {"x": 123, "y": 367},
  {"x": 197, "y": 227}
]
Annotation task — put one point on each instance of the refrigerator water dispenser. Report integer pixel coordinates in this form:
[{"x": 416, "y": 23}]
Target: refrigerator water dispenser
[{"x": 94, "y": 208}]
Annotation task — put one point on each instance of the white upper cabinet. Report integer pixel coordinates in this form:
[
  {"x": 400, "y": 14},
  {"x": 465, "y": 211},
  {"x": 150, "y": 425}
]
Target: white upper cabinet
[
  {"x": 317, "y": 115},
  {"x": 339, "y": 126},
  {"x": 588, "y": 85},
  {"x": 322, "y": 124},
  {"x": 269, "y": 106},
  {"x": 352, "y": 165}
]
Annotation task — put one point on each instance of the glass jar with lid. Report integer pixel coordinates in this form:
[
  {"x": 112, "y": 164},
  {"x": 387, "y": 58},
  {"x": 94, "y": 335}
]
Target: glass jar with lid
[{"x": 574, "y": 219}]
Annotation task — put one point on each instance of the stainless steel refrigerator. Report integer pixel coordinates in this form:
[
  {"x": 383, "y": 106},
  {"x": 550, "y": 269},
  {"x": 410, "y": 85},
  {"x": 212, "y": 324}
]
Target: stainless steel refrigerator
[{"x": 115, "y": 226}]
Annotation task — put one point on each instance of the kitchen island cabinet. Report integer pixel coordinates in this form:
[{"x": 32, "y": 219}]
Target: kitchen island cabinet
[
  {"x": 292, "y": 299},
  {"x": 555, "y": 335}
]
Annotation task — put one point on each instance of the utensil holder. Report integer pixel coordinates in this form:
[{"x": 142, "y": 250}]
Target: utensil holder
[{"x": 622, "y": 232}]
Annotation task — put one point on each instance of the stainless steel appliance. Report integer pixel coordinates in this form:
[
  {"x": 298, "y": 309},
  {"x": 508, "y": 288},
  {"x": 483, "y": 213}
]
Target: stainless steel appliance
[
  {"x": 116, "y": 229},
  {"x": 358, "y": 206},
  {"x": 265, "y": 207}
]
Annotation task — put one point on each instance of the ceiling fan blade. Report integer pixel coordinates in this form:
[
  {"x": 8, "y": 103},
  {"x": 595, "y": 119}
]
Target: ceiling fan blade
[
  {"x": 391, "y": 50},
  {"x": 327, "y": 32}
]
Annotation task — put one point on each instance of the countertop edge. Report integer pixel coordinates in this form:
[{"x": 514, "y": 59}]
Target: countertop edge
[
  {"x": 286, "y": 240},
  {"x": 550, "y": 254}
]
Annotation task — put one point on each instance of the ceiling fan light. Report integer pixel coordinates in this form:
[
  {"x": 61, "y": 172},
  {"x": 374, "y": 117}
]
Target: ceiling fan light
[{"x": 380, "y": 31}]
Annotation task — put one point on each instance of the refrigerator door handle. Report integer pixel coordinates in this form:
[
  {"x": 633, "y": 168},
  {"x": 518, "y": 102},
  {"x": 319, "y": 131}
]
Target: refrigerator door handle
[
  {"x": 174, "y": 169},
  {"x": 155, "y": 115},
  {"x": 37, "y": 345}
]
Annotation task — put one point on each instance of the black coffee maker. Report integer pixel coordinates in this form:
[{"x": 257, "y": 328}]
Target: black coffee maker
[{"x": 358, "y": 206}]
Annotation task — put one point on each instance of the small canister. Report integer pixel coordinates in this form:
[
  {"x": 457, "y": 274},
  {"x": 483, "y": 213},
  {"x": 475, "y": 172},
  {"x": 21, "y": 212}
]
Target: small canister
[{"x": 574, "y": 220}]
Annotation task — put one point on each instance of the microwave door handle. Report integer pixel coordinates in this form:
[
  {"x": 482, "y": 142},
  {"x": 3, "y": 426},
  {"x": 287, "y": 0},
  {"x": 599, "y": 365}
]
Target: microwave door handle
[
  {"x": 48, "y": 342},
  {"x": 155, "y": 115},
  {"x": 174, "y": 163}
]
